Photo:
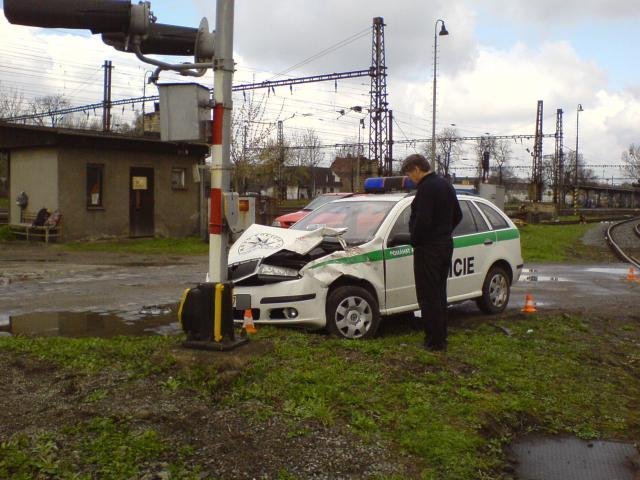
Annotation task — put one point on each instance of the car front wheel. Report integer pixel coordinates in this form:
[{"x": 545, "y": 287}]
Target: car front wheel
[
  {"x": 352, "y": 312},
  {"x": 495, "y": 291}
]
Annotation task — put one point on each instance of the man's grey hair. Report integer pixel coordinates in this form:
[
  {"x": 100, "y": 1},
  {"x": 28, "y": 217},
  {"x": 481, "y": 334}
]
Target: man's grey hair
[{"x": 415, "y": 160}]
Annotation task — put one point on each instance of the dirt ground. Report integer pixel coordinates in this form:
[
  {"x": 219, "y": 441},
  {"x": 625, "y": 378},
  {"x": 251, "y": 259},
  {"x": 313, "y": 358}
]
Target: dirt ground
[
  {"x": 38, "y": 396},
  {"x": 41, "y": 397}
]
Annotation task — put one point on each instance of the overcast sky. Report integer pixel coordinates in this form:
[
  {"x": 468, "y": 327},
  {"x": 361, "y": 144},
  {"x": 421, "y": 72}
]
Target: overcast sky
[{"x": 499, "y": 59}]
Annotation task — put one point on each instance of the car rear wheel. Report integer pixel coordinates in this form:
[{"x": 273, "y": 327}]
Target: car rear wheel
[
  {"x": 352, "y": 312},
  {"x": 495, "y": 291}
]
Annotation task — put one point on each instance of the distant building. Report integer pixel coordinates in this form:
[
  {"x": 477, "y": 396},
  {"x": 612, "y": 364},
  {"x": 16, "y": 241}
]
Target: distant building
[
  {"x": 346, "y": 168},
  {"x": 298, "y": 183},
  {"x": 104, "y": 184}
]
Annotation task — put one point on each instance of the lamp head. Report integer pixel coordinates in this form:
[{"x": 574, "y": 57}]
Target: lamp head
[
  {"x": 443, "y": 30},
  {"x": 580, "y": 109}
]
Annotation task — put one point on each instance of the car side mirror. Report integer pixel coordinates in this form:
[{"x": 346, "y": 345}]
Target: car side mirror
[{"x": 400, "y": 238}]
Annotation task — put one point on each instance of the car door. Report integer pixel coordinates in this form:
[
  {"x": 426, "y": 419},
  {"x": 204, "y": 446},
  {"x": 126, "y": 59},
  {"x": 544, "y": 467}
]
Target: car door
[
  {"x": 398, "y": 266},
  {"x": 473, "y": 242},
  {"x": 507, "y": 235}
]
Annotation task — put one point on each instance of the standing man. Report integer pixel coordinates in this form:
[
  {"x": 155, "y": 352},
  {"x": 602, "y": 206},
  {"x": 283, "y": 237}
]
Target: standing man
[{"x": 435, "y": 212}]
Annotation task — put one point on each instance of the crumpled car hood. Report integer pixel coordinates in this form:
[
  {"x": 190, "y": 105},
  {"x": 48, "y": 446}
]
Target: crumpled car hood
[{"x": 260, "y": 241}]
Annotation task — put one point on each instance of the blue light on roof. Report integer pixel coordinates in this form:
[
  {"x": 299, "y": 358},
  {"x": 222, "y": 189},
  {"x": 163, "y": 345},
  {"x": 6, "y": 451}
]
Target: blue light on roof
[
  {"x": 374, "y": 185},
  {"x": 388, "y": 184}
]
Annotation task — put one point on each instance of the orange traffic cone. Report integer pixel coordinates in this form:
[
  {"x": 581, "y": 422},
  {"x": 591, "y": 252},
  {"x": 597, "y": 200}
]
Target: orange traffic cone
[
  {"x": 632, "y": 274},
  {"x": 529, "y": 305},
  {"x": 247, "y": 323}
]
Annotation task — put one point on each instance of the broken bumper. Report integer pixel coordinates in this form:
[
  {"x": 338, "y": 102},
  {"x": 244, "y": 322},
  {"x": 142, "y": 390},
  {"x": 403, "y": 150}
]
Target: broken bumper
[{"x": 299, "y": 302}]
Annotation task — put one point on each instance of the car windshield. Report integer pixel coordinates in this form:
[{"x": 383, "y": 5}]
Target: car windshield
[
  {"x": 361, "y": 219},
  {"x": 320, "y": 200}
]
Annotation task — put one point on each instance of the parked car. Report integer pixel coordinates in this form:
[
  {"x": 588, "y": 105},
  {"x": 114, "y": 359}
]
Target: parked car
[
  {"x": 285, "y": 221},
  {"x": 348, "y": 263}
]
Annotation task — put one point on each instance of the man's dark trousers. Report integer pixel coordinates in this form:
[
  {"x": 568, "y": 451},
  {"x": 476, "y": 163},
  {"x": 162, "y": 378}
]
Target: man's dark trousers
[{"x": 431, "y": 268}]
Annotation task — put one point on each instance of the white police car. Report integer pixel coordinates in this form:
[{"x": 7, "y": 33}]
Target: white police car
[{"x": 348, "y": 263}]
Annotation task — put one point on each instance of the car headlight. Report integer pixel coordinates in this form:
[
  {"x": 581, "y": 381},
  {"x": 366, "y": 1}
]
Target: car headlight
[{"x": 273, "y": 271}]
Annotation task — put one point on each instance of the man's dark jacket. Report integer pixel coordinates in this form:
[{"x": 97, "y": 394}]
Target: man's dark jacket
[{"x": 435, "y": 211}]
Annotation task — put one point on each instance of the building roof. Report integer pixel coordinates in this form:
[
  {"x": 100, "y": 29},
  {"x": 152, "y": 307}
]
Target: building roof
[{"x": 14, "y": 136}]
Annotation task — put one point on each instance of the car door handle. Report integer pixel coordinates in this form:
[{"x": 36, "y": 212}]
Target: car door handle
[{"x": 488, "y": 241}]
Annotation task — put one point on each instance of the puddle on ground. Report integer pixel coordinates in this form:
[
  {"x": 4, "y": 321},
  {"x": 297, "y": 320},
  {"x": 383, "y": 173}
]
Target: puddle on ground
[
  {"x": 152, "y": 321},
  {"x": 609, "y": 271},
  {"x": 573, "y": 459},
  {"x": 544, "y": 278}
]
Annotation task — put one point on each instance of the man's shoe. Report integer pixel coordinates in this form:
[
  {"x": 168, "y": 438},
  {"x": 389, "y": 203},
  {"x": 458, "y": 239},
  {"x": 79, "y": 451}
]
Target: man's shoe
[{"x": 435, "y": 347}]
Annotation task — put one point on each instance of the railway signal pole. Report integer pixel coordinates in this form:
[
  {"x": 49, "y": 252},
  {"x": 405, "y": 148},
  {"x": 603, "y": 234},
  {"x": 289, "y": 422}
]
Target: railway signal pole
[
  {"x": 207, "y": 316},
  {"x": 220, "y": 149}
]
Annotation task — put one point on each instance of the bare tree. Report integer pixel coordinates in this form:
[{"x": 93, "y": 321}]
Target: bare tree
[
  {"x": 631, "y": 158},
  {"x": 249, "y": 136},
  {"x": 502, "y": 153},
  {"x": 448, "y": 146},
  {"x": 49, "y": 104},
  {"x": 348, "y": 148},
  {"x": 307, "y": 156},
  {"x": 12, "y": 103},
  {"x": 485, "y": 149}
]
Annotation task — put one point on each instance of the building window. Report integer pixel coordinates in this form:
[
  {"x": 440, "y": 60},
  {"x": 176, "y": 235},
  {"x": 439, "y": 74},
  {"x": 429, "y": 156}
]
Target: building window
[
  {"x": 178, "y": 178},
  {"x": 95, "y": 175}
]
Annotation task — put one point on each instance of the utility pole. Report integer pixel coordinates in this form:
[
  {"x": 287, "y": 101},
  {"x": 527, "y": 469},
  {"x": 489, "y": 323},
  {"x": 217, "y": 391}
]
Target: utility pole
[
  {"x": 220, "y": 149},
  {"x": 106, "y": 102},
  {"x": 558, "y": 190},
  {"x": 389, "y": 159},
  {"x": 537, "y": 156},
  {"x": 378, "y": 110},
  {"x": 280, "y": 165}
]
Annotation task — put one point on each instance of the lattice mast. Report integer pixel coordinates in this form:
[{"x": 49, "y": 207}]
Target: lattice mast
[
  {"x": 558, "y": 178},
  {"x": 378, "y": 111},
  {"x": 536, "y": 175}
]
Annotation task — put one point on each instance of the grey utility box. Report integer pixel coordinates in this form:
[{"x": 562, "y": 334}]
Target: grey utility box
[
  {"x": 185, "y": 112},
  {"x": 493, "y": 193}
]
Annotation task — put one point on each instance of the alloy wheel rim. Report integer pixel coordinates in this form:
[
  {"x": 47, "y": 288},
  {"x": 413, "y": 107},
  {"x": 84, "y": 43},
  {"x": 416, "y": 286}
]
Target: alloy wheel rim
[{"x": 498, "y": 290}]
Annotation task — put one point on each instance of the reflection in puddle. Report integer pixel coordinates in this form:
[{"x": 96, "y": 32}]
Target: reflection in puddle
[
  {"x": 543, "y": 278},
  {"x": 90, "y": 324},
  {"x": 610, "y": 271}
]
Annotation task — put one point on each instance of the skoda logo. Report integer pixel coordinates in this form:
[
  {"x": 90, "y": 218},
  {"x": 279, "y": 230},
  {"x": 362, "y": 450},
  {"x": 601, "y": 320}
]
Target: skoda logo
[{"x": 258, "y": 241}]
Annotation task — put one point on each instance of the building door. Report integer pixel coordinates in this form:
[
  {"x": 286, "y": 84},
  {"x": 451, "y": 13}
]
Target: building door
[{"x": 141, "y": 202}]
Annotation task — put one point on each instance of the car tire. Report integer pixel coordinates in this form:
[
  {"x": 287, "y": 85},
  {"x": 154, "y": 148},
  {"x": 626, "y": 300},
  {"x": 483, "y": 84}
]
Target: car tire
[
  {"x": 496, "y": 290},
  {"x": 352, "y": 313}
]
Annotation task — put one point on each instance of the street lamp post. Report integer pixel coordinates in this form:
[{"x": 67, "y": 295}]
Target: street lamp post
[
  {"x": 436, "y": 34},
  {"x": 144, "y": 95},
  {"x": 576, "y": 177}
]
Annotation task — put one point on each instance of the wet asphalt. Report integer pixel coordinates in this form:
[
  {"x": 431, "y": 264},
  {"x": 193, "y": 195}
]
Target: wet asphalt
[{"x": 120, "y": 291}]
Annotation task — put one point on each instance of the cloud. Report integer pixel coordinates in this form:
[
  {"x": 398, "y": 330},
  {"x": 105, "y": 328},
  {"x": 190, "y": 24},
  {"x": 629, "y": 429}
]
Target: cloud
[
  {"x": 567, "y": 11},
  {"x": 481, "y": 87}
]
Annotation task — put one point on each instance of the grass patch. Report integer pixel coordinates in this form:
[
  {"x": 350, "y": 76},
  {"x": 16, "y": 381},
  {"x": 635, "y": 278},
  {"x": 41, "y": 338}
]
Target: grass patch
[
  {"x": 100, "y": 448},
  {"x": 5, "y": 233},
  {"x": 556, "y": 243},
  {"x": 453, "y": 413},
  {"x": 150, "y": 246},
  {"x": 4, "y": 202},
  {"x": 137, "y": 356}
]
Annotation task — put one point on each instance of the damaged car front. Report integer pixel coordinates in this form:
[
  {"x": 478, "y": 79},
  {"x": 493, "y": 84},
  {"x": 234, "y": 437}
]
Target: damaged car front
[{"x": 285, "y": 276}]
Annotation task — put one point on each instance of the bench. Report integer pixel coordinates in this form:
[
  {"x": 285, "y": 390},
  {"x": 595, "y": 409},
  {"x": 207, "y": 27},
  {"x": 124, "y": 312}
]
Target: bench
[{"x": 50, "y": 230}]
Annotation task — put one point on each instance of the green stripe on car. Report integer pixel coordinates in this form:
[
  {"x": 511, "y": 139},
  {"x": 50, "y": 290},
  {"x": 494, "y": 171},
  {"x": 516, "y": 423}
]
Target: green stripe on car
[{"x": 406, "y": 250}]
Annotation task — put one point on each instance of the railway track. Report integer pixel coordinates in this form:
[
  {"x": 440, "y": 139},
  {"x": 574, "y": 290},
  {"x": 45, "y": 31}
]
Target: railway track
[{"x": 618, "y": 235}]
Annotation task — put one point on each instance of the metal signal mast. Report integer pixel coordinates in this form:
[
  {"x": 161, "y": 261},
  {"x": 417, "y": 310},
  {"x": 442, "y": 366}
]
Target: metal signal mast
[
  {"x": 536, "y": 179},
  {"x": 379, "y": 107}
]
